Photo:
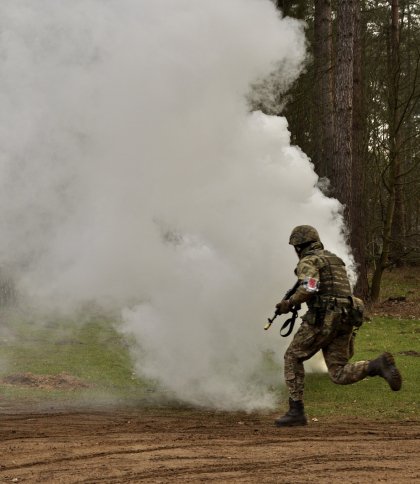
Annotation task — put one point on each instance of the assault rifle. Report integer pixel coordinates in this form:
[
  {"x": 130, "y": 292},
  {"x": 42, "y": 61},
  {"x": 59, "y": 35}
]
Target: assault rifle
[{"x": 289, "y": 323}]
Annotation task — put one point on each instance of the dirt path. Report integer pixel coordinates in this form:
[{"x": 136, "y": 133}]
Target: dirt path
[{"x": 170, "y": 445}]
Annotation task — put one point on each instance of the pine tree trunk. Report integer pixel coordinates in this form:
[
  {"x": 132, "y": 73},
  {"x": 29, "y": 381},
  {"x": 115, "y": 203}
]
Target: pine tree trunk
[
  {"x": 358, "y": 222},
  {"x": 323, "y": 92},
  {"x": 342, "y": 167}
]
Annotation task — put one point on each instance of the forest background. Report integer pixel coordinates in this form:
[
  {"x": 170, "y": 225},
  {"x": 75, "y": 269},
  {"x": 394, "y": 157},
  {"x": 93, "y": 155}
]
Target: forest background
[{"x": 355, "y": 112}]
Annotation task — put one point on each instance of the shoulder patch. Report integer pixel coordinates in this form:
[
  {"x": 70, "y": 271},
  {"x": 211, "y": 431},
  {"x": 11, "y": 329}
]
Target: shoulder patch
[{"x": 311, "y": 284}]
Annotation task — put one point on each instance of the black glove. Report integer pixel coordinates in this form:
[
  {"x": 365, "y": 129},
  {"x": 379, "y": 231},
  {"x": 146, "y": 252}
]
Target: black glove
[{"x": 283, "y": 307}]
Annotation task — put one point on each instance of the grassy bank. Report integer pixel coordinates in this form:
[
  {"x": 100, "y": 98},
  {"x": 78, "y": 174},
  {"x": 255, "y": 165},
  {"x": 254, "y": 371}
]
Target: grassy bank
[
  {"x": 95, "y": 355},
  {"x": 92, "y": 358}
]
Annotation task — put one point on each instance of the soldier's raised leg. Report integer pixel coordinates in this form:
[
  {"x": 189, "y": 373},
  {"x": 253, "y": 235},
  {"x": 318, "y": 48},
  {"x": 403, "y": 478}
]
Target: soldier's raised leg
[{"x": 342, "y": 372}]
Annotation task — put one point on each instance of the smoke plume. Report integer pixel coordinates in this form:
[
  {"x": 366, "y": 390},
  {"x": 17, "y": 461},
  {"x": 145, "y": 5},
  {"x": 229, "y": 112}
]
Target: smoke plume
[{"x": 134, "y": 175}]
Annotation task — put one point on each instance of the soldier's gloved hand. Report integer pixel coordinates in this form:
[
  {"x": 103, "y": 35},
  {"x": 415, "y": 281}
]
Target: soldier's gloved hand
[{"x": 283, "y": 307}]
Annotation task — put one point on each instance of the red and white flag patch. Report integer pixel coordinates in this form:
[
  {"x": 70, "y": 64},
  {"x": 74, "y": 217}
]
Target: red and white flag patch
[{"x": 311, "y": 284}]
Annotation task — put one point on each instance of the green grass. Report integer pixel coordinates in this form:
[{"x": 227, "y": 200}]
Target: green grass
[
  {"x": 93, "y": 351},
  {"x": 97, "y": 354}
]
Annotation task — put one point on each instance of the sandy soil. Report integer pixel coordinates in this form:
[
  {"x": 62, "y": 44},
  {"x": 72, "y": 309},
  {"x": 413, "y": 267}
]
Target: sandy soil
[{"x": 160, "y": 445}]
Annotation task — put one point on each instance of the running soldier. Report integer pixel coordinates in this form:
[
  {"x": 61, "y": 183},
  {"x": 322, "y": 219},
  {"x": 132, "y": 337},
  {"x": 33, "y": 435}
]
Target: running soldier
[{"x": 333, "y": 314}]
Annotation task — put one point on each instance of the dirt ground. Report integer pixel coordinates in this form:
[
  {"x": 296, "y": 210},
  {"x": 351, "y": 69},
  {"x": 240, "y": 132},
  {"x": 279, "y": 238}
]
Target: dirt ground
[{"x": 159, "y": 445}]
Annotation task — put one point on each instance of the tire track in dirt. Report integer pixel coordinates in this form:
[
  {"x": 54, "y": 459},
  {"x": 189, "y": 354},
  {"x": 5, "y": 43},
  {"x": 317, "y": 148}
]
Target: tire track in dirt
[
  {"x": 194, "y": 446},
  {"x": 186, "y": 473}
]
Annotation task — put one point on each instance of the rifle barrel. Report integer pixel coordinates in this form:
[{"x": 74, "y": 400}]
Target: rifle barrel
[{"x": 270, "y": 321}]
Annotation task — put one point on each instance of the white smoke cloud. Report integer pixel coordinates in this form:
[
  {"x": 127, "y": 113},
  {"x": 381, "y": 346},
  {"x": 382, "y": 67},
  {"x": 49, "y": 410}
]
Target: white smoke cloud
[{"x": 132, "y": 174}]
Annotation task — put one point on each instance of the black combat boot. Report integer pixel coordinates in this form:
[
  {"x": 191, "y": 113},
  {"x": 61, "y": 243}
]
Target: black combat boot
[
  {"x": 294, "y": 416},
  {"x": 384, "y": 366}
]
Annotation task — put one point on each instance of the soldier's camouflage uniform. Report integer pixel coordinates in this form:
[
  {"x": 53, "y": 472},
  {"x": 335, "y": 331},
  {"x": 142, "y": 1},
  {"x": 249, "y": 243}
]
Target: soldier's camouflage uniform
[{"x": 329, "y": 323}]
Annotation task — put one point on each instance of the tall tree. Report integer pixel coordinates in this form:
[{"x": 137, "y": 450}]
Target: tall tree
[
  {"x": 359, "y": 146},
  {"x": 341, "y": 173},
  {"x": 323, "y": 125}
]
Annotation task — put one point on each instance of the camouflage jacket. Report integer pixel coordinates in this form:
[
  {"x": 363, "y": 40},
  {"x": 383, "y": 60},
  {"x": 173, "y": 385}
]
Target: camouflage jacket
[{"x": 322, "y": 275}]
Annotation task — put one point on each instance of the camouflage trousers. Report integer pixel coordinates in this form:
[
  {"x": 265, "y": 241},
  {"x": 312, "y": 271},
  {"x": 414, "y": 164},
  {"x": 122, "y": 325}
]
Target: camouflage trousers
[{"x": 334, "y": 337}]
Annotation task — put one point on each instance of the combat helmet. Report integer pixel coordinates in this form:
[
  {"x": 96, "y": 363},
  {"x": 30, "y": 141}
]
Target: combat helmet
[{"x": 303, "y": 234}]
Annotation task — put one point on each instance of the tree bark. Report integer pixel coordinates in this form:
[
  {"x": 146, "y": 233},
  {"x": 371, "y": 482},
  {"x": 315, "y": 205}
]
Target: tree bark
[
  {"x": 358, "y": 223},
  {"x": 341, "y": 175},
  {"x": 323, "y": 92}
]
